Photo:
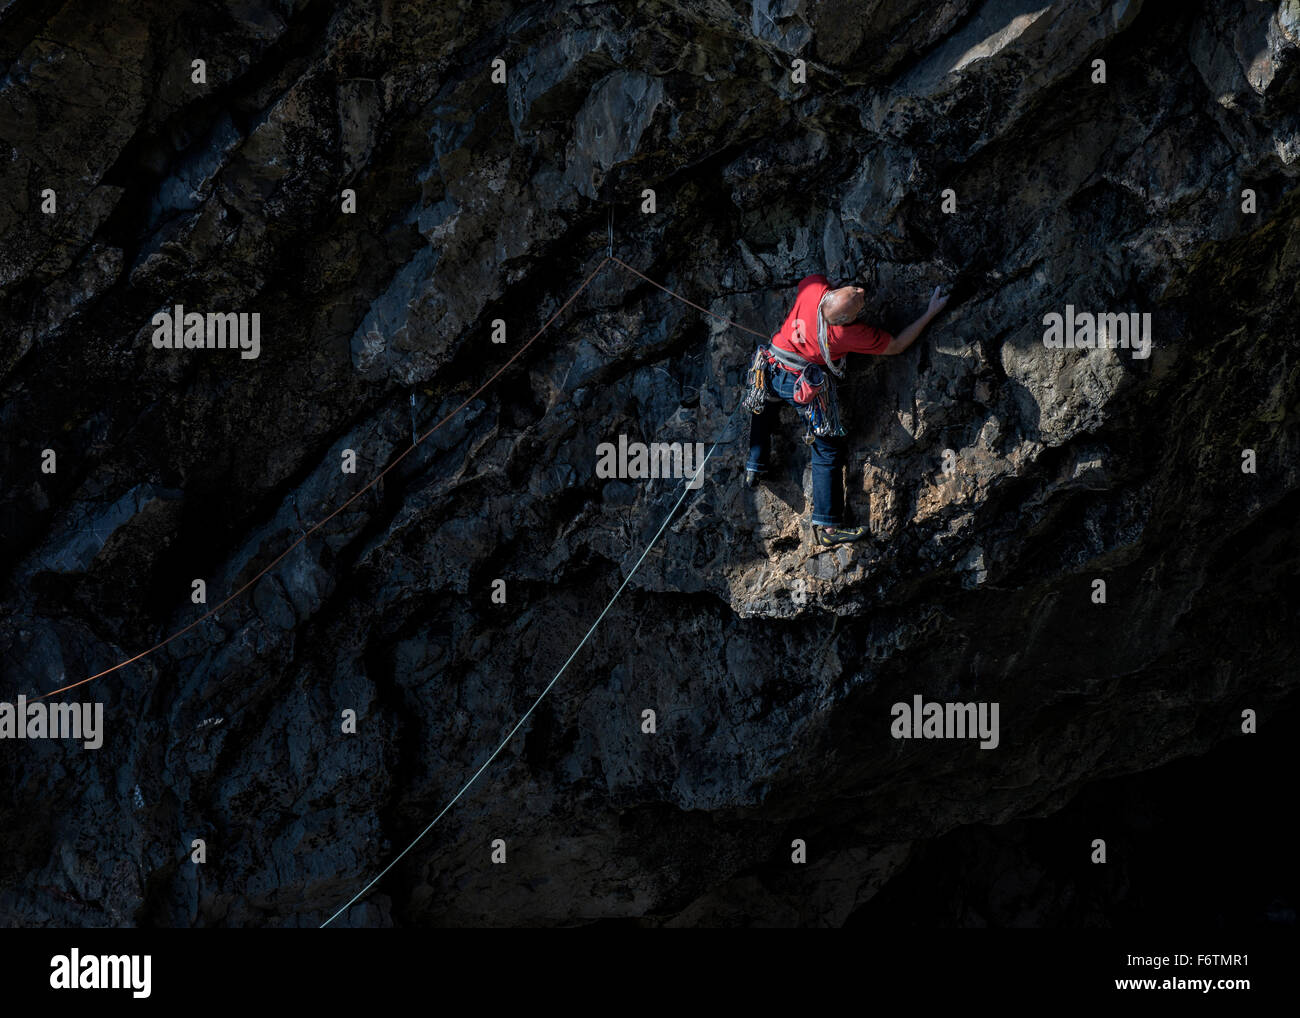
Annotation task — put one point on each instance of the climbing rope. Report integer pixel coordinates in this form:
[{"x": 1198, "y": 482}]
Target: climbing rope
[
  {"x": 599, "y": 618},
  {"x": 380, "y": 476},
  {"x": 416, "y": 441},
  {"x": 306, "y": 534},
  {"x": 554, "y": 679},
  {"x": 711, "y": 314}
]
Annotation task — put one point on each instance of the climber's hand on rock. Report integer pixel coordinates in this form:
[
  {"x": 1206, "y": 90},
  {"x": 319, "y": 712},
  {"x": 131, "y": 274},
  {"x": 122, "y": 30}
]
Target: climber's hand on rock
[{"x": 938, "y": 301}]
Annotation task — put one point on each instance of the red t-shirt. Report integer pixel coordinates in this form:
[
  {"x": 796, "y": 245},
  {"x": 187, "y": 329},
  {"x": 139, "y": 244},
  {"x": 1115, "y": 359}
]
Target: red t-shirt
[{"x": 799, "y": 331}]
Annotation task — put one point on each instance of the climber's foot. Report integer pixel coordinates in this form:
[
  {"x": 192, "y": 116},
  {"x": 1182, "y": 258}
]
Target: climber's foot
[
  {"x": 752, "y": 477},
  {"x": 828, "y": 537}
]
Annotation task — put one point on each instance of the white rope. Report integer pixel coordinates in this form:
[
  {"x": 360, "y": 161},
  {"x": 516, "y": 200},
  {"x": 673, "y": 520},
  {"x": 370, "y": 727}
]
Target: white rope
[{"x": 699, "y": 471}]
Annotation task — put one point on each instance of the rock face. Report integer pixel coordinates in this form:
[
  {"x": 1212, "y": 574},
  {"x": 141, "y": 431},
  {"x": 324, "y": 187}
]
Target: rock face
[{"x": 779, "y": 139}]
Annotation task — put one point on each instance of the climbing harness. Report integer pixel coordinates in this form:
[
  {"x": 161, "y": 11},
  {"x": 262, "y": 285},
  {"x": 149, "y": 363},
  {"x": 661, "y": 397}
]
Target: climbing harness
[
  {"x": 819, "y": 407},
  {"x": 814, "y": 392}
]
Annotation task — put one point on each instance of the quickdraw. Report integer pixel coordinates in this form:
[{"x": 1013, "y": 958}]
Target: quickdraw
[{"x": 756, "y": 396}]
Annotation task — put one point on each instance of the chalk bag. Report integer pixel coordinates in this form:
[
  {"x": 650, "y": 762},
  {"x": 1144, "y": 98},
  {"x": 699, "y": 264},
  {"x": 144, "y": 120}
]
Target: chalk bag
[{"x": 811, "y": 380}]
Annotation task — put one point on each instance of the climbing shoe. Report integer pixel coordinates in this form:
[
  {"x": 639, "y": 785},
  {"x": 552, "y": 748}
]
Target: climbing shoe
[
  {"x": 828, "y": 537},
  {"x": 752, "y": 477}
]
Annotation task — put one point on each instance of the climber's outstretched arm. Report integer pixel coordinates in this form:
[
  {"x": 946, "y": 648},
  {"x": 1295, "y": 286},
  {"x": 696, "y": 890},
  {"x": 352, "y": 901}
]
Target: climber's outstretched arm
[{"x": 908, "y": 336}]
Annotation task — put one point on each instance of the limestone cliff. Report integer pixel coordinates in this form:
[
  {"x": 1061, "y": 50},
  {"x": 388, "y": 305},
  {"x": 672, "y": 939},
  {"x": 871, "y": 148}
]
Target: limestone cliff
[{"x": 780, "y": 138}]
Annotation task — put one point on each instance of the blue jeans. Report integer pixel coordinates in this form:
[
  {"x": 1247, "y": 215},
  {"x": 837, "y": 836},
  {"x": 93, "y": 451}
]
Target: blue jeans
[{"x": 828, "y": 454}]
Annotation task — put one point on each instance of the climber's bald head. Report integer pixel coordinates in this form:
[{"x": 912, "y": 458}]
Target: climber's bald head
[{"x": 843, "y": 305}]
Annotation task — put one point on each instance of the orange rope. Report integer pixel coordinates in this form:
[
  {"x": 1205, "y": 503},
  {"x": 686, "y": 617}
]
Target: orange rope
[
  {"x": 378, "y": 477},
  {"x": 728, "y": 321},
  {"x": 267, "y": 568}
]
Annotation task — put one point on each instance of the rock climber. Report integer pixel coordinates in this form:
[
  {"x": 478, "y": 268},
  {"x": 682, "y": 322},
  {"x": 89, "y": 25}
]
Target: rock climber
[{"x": 820, "y": 330}]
